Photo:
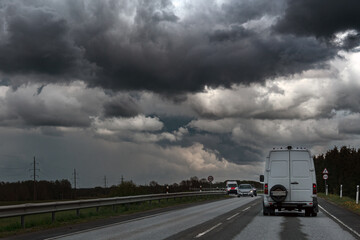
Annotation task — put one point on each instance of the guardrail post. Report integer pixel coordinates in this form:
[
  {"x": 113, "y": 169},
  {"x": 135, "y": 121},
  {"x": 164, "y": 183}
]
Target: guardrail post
[
  {"x": 52, "y": 217},
  {"x": 113, "y": 207},
  {"x": 357, "y": 194},
  {"x": 78, "y": 212},
  {"x": 341, "y": 191},
  {"x": 23, "y": 221},
  {"x": 97, "y": 209}
]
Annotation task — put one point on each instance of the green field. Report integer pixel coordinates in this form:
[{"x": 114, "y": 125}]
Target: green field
[
  {"x": 346, "y": 202},
  {"x": 11, "y": 226}
]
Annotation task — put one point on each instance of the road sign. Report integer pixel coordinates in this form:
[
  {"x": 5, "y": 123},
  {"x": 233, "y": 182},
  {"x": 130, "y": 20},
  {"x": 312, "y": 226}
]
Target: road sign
[
  {"x": 325, "y": 176},
  {"x": 325, "y": 171},
  {"x": 210, "y": 178}
]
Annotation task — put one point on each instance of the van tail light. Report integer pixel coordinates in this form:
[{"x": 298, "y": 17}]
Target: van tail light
[
  {"x": 314, "y": 188},
  {"x": 266, "y": 189}
]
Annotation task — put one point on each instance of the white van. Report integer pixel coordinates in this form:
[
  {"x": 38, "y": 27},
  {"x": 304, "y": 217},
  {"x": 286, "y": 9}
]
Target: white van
[
  {"x": 231, "y": 187},
  {"x": 289, "y": 181}
]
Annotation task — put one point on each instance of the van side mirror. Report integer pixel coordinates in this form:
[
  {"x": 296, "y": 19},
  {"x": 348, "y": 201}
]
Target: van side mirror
[{"x": 261, "y": 178}]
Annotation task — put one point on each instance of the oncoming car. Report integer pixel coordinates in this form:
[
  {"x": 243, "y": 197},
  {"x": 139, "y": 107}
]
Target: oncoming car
[
  {"x": 245, "y": 190},
  {"x": 231, "y": 187}
]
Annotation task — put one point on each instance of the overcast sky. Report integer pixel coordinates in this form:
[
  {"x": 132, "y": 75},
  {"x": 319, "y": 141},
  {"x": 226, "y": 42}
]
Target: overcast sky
[{"x": 165, "y": 90}]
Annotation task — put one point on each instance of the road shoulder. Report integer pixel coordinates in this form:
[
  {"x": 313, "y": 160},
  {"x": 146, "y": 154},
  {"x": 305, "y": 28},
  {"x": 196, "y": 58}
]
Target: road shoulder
[{"x": 347, "y": 219}]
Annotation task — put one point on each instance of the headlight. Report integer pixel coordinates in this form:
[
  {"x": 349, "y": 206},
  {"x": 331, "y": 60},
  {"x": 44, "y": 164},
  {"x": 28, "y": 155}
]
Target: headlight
[{"x": 251, "y": 191}]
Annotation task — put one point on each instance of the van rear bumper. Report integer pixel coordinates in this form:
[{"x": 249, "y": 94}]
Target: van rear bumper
[{"x": 291, "y": 205}]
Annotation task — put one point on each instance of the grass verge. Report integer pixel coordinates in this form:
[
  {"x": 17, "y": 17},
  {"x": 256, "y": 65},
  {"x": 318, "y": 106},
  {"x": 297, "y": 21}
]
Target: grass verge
[
  {"x": 345, "y": 202},
  {"x": 12, "y": 226}
]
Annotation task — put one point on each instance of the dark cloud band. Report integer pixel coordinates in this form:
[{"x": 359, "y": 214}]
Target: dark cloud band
[{"x": 141, "y": 45}]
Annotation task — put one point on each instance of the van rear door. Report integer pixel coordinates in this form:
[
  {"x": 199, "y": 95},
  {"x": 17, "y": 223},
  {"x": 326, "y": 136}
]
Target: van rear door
[
  {"x": 300, "y": 180},
  {"x": 279, "y": 169}
]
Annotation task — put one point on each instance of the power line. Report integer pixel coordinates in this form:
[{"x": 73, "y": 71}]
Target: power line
[
  {"x": 47, "y": 176},
  {"x": 12, "y": 168}
]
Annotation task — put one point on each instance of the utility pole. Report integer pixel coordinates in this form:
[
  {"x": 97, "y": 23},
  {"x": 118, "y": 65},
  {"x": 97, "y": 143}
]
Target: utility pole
[
  {"x": 122, "y": 179},
  {"x": 34, "y": 169},
  {"x": 75, "y": 176},
  {"x": 34, "y": 179},
  {"x": 105, "y": 181}
]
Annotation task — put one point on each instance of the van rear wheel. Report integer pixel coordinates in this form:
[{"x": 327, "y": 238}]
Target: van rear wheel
[
  {"x": 265, "y": 210},
  {"x": 313, "y": 212},
  {"x": 272, "y": 211}
]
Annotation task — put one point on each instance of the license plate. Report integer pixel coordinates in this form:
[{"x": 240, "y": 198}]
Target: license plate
[{"x": 279, "y": 193}]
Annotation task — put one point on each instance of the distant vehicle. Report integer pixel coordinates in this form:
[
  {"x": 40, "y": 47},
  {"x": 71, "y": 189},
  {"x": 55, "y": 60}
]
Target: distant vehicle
[
  {"x": 231, "y": 187},
  {"x": 289, "y": 182},
  {"x": 245, "y": 190},
  {"x": 254, "y": 190}
]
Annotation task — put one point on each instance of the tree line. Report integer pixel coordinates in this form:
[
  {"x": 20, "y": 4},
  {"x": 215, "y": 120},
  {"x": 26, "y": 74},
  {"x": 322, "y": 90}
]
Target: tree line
[
  {"x": 44, "y": 190},
  {"x": 344, "y": 168},
  {"x": 62, "y": 189}
]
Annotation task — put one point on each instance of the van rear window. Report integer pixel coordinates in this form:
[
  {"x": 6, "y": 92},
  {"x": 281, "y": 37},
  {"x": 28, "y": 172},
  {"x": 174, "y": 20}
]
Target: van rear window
[{"x": 279, "y": 169}]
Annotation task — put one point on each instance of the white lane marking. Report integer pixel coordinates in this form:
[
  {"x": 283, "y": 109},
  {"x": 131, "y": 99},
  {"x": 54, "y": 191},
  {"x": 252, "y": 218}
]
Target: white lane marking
[
  {"x": 246, "y": 209},
  {"x": 207, "y": 231},
  {"x": 339, "y": 221},
  {"x": 105, "y": 226},
  {"x": 232, "y": 216}
]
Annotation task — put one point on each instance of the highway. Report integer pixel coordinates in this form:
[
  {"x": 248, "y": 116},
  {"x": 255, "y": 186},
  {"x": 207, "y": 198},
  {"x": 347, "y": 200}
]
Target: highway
[{"x": 234, "y": 218}]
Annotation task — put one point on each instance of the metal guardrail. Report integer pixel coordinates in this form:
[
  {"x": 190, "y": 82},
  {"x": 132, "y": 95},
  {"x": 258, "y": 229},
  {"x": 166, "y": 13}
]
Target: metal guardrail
[
  {"x": 52, "y": 207},
  {"x": 207, "y": 189}
]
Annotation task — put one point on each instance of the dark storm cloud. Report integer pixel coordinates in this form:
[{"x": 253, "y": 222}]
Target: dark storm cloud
[
  {"x": 147, "y": 45},
  {"x": 223, "y": 147},
  {"x": 173, "y": 123},
  {"x": 51, "y": 131},
  {"x": 37, "y": 41},
  {"x": 50, "y": 106},
  {"x": 124, "y": 107},
  {"x": 352, "y": 41},
  {"x": 39, "y": 90},
  {"x": 242, "y": 11},
  {"x": 320, "y": 18},
  {"x": 350, "y": 125},
  {"x": 38, "y": 115}
]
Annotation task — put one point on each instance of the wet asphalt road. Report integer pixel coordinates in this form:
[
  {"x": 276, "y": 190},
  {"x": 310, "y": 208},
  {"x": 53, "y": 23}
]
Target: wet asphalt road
[{"x": 234, "y": 218}]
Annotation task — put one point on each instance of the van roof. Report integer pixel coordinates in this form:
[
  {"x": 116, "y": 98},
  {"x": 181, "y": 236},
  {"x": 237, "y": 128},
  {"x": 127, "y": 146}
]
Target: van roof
[
  {"x": 296, "y": 149},
  {"x": 285, "y": 150},
  {"x": 289, "y": 148}
]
